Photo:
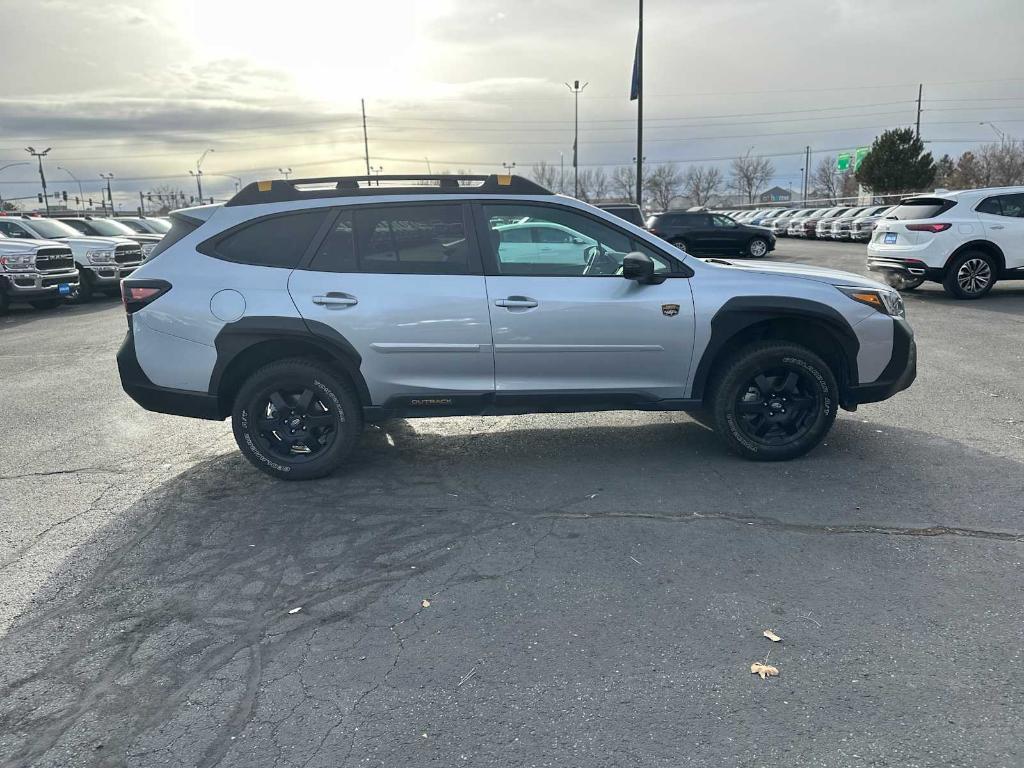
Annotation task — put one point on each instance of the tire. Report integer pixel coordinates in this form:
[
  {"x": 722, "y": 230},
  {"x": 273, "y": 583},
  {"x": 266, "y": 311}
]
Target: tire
[
  {"x": 757, "y": 248},
  {"x": 5, "y": 301},
  {"x": 902, "y": 282},
  {"x": 750, "y": 393},
  {"x": 322, "y": 407},
  {"x": 970, "y": 275},
  {"x": 85, "y": 289},
  {"x": 681, "y": 245},
  {"x": 47, "y": 303}
]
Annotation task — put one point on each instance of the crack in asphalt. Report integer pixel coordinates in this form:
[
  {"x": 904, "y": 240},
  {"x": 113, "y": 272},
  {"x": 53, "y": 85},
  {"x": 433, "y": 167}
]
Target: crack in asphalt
[
  {"x": 774, "y": 522},
  {"x": 76, "y": 471}
]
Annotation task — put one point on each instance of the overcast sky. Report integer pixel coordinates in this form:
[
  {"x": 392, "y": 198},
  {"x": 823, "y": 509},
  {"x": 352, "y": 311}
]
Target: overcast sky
[{"x": 141, "y": 89}]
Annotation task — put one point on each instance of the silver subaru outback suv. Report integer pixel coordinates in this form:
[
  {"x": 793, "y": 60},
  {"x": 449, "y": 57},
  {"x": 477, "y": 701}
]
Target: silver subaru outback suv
[{"x": 304, "y": 308}]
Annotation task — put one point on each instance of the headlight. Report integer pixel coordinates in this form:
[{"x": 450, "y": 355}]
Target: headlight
[
  {"x": 147, "y": 248},
  {"x": 100, "y": 257},
  {"x": 887, "y": 302},
  {"x": 21, "y": 262}
]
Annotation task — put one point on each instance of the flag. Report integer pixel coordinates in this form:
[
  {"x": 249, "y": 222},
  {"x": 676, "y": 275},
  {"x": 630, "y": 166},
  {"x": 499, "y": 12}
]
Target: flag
[{"x": 635, "y": 85}]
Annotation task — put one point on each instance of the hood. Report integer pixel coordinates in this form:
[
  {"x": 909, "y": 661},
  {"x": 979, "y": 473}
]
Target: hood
[
  {"x": 25, "y": 245},
  {"x": 144, "y": 237},
  {"x": 98, "y": 242},
  {"x": 820, "y": 274},
  {"x": 759, "y": 228}
]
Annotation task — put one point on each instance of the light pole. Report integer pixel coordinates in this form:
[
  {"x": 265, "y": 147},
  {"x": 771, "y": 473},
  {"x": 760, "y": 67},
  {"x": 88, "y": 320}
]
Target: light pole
[
  {"x": 377, "y": 172},
  {"x": 3, "y": 168},
  {"x": 107, "y": 177},
  {"x": 999, "y": 133},
  {"x": 81, "y": 194},
  {"x": 42, "y": 177},
  {"x": 286, "y": 172},
  {"x": 576, "y": 88},
  {"x": 198, "y": 173},
  {"x": 508, "y": 167}
]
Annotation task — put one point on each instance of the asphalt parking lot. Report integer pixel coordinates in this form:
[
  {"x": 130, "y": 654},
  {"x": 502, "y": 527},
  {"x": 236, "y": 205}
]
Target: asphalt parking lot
[{"x": 596, "y": 585}]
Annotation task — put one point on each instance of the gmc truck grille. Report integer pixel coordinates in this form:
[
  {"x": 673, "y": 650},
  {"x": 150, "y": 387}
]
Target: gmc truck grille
[
  {"x": 127, "y": 254},
  {"x": 54, "y": 259}
]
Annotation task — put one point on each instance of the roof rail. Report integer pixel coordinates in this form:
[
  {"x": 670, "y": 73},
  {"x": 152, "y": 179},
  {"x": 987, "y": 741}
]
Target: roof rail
[{"x": 284, "y": 190}]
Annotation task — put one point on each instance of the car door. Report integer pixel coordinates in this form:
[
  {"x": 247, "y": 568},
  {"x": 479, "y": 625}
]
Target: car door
[
  {"x": 696, "y": 230},
  {"x": 402, "y": 283},
  {"x": 1003, "y": 219},
  {"x": 580, "y": 329},
  {"x": 726, "y": 235}
]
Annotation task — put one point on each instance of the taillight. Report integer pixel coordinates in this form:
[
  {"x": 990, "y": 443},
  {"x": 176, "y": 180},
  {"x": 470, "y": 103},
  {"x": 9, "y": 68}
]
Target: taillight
[
  {"x": 136, "y": 294},
  {"x": 936, "y": 227}
]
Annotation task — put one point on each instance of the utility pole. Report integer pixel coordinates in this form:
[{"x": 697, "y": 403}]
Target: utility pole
[
  {"x": 917, "y": 130},
  {"x": 107, "y": 177},
  {"x": 807, "y": 170},
  {"x": 366, "y": 141},
  {"x": 198, "y": 173},
  {"x": 638, "y": 94},
  {"x": 42, "y": 177},
  {"x": 575, "y": 89},
  {"x": 561, "y": 173},
  {"x": 429, "y": 172},
  {"x": 142, "y": 204}
]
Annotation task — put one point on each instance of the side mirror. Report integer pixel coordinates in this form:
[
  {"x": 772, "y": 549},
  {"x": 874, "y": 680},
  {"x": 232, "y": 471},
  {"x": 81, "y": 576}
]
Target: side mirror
[{"x": 638, "y": 266}]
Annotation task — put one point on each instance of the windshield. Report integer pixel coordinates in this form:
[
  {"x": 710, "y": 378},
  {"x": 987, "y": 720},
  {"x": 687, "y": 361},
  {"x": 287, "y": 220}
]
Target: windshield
[
  {"x": 110, "y": 228},
  {"x": 134, "y": 226},
  {"x": 51, "y": 228},
  {"x": 160, "y": 225}
]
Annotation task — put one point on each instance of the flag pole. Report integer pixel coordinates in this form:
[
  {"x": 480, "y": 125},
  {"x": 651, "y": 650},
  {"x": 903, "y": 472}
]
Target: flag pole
[{"x": 638, "y": 64}]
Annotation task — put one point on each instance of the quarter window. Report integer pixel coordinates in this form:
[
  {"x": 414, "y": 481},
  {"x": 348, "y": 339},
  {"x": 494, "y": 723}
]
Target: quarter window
[{"x": 278, "y": 241}]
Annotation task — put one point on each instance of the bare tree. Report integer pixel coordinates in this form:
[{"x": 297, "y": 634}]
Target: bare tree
[
  {"x": 599, "y": 184},
  {"x": 751, "y": 174},
  {"x": 1003, "y": 163},
  {"x": 165, "y": 198},
  {"x": 623, "y": 183},
  {"x": 664, "y": 183},
  {"x": 702, "y": 183},
  {"x": 545, "y": 174},
  {"x": 826, "y": 181}
]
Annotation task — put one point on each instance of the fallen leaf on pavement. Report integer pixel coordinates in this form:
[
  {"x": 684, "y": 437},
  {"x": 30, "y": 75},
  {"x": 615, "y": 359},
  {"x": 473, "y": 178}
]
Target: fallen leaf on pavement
[
  {"x": 425, "y": 603},
  {"x": 764, "y": 670},
  {"x": 295, "y": 610},
  {"x": 771, "y": 636}
]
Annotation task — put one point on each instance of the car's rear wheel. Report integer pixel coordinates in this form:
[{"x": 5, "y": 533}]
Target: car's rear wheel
[
  {"x": 47, "y": 303},
  {"x": 902, "y": 282},
  {"x": 296, "y": 419},
  {"x": 774, "y": 401},
  {"x": 681, "y": 244},
  {"x": 971, "y": 275},
  {"x": 757, "y": 248}
]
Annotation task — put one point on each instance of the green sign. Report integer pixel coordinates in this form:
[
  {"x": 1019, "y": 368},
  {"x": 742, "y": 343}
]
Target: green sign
[
  {"x": 858, "y": 157},
  {"x": 843, "y": 161}
]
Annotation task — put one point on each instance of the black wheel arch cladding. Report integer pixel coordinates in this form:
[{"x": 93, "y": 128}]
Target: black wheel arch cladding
[
  {"x": 235, "y": 339},
  {"x": 743, "y": 312}
]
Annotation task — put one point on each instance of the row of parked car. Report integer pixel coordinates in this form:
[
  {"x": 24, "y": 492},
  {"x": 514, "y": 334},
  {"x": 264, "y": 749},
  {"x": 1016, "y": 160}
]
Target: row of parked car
[
  {"x": 47, "y": 261},
  {"x": 831, "y": 223}
]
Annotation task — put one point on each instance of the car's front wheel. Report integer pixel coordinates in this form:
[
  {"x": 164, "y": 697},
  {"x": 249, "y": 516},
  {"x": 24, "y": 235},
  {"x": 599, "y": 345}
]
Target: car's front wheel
[
  {"x": 902, "y": 282},
  {"x": 774, "y": 401},
  {"x": 51, "y": 303},
  {"x": 681, "y": 245},
  {"x": 757, "y": 248},
  {"x": 296, "y": 419},
  {"x": 971, "y": 275}
]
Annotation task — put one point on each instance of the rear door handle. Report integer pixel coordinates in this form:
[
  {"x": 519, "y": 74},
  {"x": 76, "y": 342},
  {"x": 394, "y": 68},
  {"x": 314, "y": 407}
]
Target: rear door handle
[
  {"x": 996, "y": 226},
  {"x": 337, "y": 300},
  {"x": 516, "y": 302}
]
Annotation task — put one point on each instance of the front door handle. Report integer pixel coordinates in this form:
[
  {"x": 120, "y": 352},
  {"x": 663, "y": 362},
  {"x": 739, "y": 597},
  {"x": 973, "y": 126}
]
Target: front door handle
[
  {"x": 516, "y": 302},
  {"x": 996, "y": 226},
  {"x": 335, "y": 300}
]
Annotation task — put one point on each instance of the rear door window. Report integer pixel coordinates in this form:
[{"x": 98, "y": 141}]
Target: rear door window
[
  {"x": 1003, "y": 205},
  {"x": 920, "y": 208}
]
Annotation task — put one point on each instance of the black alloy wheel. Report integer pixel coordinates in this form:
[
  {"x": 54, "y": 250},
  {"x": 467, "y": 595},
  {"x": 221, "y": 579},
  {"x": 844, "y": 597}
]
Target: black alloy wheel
[
  {"x": 295, "y": 424},
  {"x": 778, "y": 406}
]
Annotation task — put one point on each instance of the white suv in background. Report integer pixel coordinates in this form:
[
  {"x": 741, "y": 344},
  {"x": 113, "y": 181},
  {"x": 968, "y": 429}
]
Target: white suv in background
[{"x": 965, "y": 240}]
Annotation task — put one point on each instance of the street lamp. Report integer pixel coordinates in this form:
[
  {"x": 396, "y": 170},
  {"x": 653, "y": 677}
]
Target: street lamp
[
  {"x": 575, "y": 89},
  {"x": 508, "y": 167},
  {"x": 999, "y": 133},
  {"x": 377, "y": 172},
  {"x": 81, "y": 194},
  {"x": 198, "y": 174},
  {"x": 39, "y": 156},
  {"x": 107, "y": 177},
  {"x": 286, "y": 172}
]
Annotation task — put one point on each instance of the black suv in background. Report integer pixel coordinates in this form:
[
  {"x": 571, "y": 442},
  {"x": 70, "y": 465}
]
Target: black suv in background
[
  {"x": 628, "y": 211},
  {"x": 703, "y": 233}
]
